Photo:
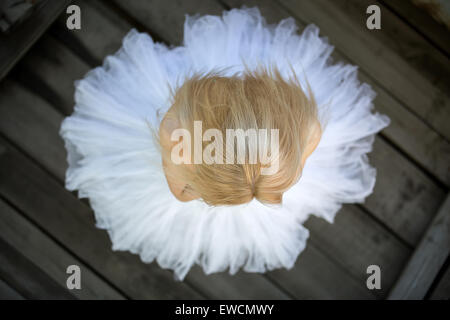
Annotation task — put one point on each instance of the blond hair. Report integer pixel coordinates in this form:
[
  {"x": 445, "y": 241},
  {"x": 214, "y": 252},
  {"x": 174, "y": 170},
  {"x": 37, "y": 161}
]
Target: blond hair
[{"x": 254, "y": 100}]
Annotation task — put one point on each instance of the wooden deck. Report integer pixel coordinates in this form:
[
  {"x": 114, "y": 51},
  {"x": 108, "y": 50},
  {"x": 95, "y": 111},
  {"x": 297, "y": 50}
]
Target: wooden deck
[{"x": 44, "y": 228}]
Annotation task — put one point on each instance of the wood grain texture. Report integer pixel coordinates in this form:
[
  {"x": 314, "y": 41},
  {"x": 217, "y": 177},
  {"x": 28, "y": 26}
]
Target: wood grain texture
[
  {"x": 164, "y": 18},
  {"x": 316, "y": 276},
  {"x": 102, "y": 34},
  {"x": 422, "y": 22},
  {"x": 427, "y": 260},
  {"x": 398, "y": 37},
  {"x": 53, "y": 66},
  {"x": 27, "y": 279},
  {"x": 13, "y": 46},
  {"x": 50, "y": 257},
  {"x": 442, "y": 290},
  {"x": 8, "y": 293}
]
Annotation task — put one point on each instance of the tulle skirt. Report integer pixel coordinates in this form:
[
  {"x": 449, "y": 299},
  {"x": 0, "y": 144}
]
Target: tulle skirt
[{"x": 114, "y": 158}]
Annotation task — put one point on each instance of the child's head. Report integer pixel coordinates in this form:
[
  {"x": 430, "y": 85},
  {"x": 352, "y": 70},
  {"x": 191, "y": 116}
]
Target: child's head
[{"x": 255, "y": 100}]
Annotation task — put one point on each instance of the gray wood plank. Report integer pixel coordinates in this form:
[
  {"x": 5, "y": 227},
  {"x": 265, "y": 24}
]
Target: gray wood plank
[
  {"x": 356, "y": 242},
  {"x": 13, "y": 46},
  {"x": 422, "y": 21},
  {"x": 400, "y": 38},
  {"x": 406, "y": 216},
  {"x": 102, "y": 32},
  {"x": 27, "y": 279},
  {"x": 12, "y": 13},
  {"x": 56, "y": 67},
  {"x": 8, "y": 293},
  {"x": 387, "y": 67},
  {"x": 163, "y": 17},
  {"x": 242, "y": 285},
  {"x": 411, "y": 135},
  {"x": 28, "y": 120},
  {"x": 71, "y": 222},
  {"x": 442, "y": 290},
  {"x": 316, "y": 276},
  {"x": 427, "y": 260},
  {"x": 404, "y": 198},
  {"x": 49, "y": 256}
]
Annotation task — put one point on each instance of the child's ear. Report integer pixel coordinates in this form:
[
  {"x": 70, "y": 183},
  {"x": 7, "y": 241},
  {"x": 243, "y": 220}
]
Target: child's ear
[{"x": 168, "y": 125}]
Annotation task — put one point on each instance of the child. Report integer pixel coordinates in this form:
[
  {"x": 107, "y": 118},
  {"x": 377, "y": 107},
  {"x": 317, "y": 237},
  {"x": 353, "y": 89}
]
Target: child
[
  {"x": 252, "y": 100},
  {"x": 217, "y": 151}
]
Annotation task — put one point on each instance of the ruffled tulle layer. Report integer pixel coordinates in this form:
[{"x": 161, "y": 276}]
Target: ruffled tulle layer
[{"x": 114, "y": 159}]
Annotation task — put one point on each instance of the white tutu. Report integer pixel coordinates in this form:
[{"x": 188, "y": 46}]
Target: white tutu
[{"x": 114, "y": 159}]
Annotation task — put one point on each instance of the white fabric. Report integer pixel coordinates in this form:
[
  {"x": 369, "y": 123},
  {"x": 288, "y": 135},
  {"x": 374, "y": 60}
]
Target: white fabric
[{"x": 114, "y": 159}]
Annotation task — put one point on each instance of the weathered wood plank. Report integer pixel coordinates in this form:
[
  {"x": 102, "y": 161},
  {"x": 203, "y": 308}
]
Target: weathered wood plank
[
  {"x": 404, "y": 198},
  {"x": 71, "y": 222},
  {"x": 49, "y": 256},
  {"x": 356, "y": 242},
  {"x": 29, "y": 121},
  {"x": 316, "y": 276},
  {"x": 422, "y": 22},
  {"x": 427, "y": 259},
  {"x": 386, "y": 66},
  {"x": 163, "y": 17},
  {"x": 442, "y": 290},
  {"x": 8, "y": 293},
  {"x": 27, "y": 279},
  {"x": 400, "y": 38},
  {"x": 102, "y": 32},
  {"x": 13, "y": 13},
  {"x": 13, "y": 46},
  {"x": 53, "y": 65},
  {"x": 242, "y": 285},
  {"x": 409, "y": 134}
]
